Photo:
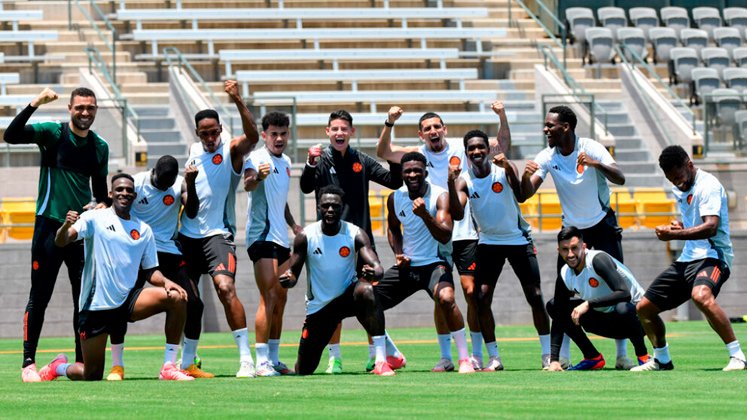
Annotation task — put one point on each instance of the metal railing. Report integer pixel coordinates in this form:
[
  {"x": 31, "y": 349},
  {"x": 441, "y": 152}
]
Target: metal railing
[
  {"x": 112, "y": 46},
  {"x": 561, "y": 42}
]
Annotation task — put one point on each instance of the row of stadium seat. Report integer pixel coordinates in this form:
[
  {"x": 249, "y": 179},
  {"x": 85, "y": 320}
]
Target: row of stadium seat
[{"x": 17, "y": 218}]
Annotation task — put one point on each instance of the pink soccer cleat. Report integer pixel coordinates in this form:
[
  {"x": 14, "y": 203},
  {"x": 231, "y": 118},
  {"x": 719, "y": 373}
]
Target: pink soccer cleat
[
  {"x": 465, "y": 366},
  {"x": 169, "y": 372},
  {"x": 396, "y": 362},
  {"x": 382, "y": 369},
  {"x": 29, "y": 374},
  {"x": 49, "y": 372}
]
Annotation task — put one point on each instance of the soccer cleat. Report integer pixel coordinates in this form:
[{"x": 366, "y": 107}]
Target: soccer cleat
[
  {"x": 545, "y": 361},
  {"x": 642, "y": 359},
  {"x": 565, "y": 363},
  {"x": 443, "y": 365},
  {"x": 116, "y": 374},
  {"x": 29, "y": 374},
  {"x": 494, "y": 365},
  {"x": 335, "y": 366},
  {"x": 194, "y": 371},
  {"x": 735, "y": 364},
  {"x": 246, "y": 369},
  {"x": 49, "y": 372},
  {"x": 465, "y": 366},
  {"x": 397, "y": 362},
  {"x": 653, "y": 364},
  {"x": 169, "y": 372},
  {"x": 265, "y": 369},
  {"x": 595, "y": 363},
  {"x": 382, "y": 369},
  {"x": 625, "y": 363},
  {"x": 476, "y": 362},
  {"x": 370, "y": 364},
  {"x": 198, "y": 361},
  {"x": 282, "y": 369}
]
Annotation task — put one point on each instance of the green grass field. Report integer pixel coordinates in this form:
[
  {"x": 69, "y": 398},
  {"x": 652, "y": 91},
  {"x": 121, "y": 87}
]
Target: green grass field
[{"x": 697, "y": 388}]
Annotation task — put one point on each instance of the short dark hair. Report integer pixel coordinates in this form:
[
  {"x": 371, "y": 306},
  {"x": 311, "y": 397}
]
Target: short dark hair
[
  {"x": 569, "y": 232},
  {"x": 476, "y": 133},
  {"x": 427, "y": 116},
  {"x": 206, "y": 113},
  {"x": 122, "y": 175},
  {"x": 416, "y": 156},
  {"x": 340, "y": 114},
  {"x": 673, "y": 157},
  {"x": 82, "y": 91},
  {"x": 332, "y": 189},
  {"x": 166, "y": 165},
  {"x": 276, "y": 118},
  {"x": 565, "y": 114}
]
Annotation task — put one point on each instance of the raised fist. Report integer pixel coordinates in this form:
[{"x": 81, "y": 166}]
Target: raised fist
[
  {"x": 394, "y": 113},
  {"x": 46, "y": 96}
]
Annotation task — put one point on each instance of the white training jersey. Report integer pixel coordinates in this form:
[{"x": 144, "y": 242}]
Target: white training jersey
[
  {"x": 114, "y": 251},
  {"x": 266, "y": 204},
  {"x": 215, "y": 185},
  {"x": 589, "y": 284},
  {"x": 495, "y": 209},
  {"x": 438, "y": 174},
  {"x": 159, "y": 209},
  {"x": 706, "y": 197},
  {"x": 330, "y": 264},
  {"x": 417, "y": 242},
  {"x": 582, "y": 190}
]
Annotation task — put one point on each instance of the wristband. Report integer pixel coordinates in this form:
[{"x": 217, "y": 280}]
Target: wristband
[{"x": 388, "y": 124}]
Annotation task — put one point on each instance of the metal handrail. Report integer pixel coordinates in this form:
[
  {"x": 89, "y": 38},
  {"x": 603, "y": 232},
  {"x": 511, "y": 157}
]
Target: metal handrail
[
  {"x": 563, "y": 41},
  {"x": 113, "y": 45}
]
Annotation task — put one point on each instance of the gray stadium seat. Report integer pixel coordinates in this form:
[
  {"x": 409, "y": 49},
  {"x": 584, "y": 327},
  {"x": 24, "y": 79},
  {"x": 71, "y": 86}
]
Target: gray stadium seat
[
  {"x": 735, "y": 78},
  {"x": 601, "y": 44},
  {"x": 579, "y": 20},
  {"x": 644, "y": 18},
  {"x": 716, "y": 58},
  {"x": 736, "y": 17},
  {"x": 684, "y": 60},
  {"x": 663, "y": 40},
  {"x": 694, "y": 38},
  {"x": 704, "y": 81},
  {"x": 675, "y": 18},
  {"x": 728, "y": 38},
  {"x": 634, "y": 39},
  {"x": 726, "y": 103},
  {"x": 739, "y": 55},
  {"x": 612, "y": 18},
  {"x": 741, "y": 121},
  {"x": 707, "y": 18}
]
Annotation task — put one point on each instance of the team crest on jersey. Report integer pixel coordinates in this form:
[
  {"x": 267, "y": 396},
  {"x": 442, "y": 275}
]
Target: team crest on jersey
[
  {"x": 593, "y": 282},
  {"x": 218, "y": 159},
  {"x": 344, "y": 251},
  {"x": 455, "y": 161},
  {"x": 134, "y": 234},
  {"x": 168, "y": 199},
  {"x": 497, "y": 187},
  {"x": 357, "y": 167},
  {"x": 580, "y": 168},
  {"x": 689, "y": 199}
]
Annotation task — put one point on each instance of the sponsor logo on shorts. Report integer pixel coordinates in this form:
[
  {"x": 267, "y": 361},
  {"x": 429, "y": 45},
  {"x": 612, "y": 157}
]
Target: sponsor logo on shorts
[
  {"x": 134, "y": 234},
  {"x": 472, "y": 266},
  {"x": 344, "y": 251},
  {"x": 182, "y": 263},
  {"x": 35, "y": 265},
  {"x": 357, "y": 167},
  {"x": 168, "y": 199},
  {"x": 497, "y": 187},
  {"x": 83, "y": 335},
  {"x": 218, "y": 159},
  {"x": 455, "y": 161},
  {"x": 593, "y": 282},
  {"x": 702, "y": 274}
]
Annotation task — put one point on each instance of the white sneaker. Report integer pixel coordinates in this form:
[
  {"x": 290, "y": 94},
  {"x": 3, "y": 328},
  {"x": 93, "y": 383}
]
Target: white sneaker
[
  {"x": 476, "y": 362},
  {"x": 246, "y": 370},
  {"x": 266, "y": 369},
  {"x": 735, "y": 364},
  {"x": 494, "y": 365},
  {"x": 443, "y": 365},
  {"x": 625, "y": 363},
  {"x": 652, "y": 365},
  {"x": 545, "y": 361}
]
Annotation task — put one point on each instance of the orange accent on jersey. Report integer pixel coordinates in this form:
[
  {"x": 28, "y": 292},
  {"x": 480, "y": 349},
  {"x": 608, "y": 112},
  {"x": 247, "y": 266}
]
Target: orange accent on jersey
[
  {"x": 168, "y": 200},
  {"x": 472, "y": 266},
  {"x": 218, "y": 159},
  {"x": 455, "y": 161},
  {"x": 134, "y": 234},
  {"x": 357, "y": 167},
  {"x": 344, "y": 251},
  {"x": 689, "y": 199},
  {"x": 25, "y": 326},
  {"x": 35, "y": 265},
  {"x": 305, "y": 334},
  {"x": 497, "y": 187},
  {"x": 580, "y": 169},
  {"x": 593, "y": 282},
  {"x": 231, "y": 263}
]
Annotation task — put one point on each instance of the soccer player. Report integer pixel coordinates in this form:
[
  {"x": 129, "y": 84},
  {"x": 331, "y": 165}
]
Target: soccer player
[
  {"x": 703, "y": 266},
  {"x": 267, "y": 175},
  {"x": 491, "y": 189},
  {"x": 207, "y": 240},
  {"x": 580, "y": 168},
  {"x": 351, "y": 170},
  {"x": 607, "y": 295},
  {"x": 440, "y": 153},
  {"x": 72, "y": 155},
  {"x": 334, "y": 291},
  {"x": 419, "y": 229},
  {"x": 117, "y": 244}
]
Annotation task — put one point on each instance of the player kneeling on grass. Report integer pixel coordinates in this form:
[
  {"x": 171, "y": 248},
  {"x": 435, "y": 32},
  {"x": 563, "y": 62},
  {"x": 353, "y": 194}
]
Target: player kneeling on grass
[
  {"x": 607, "y": 295},
  {"x": 116, "y": 245},
  {"x": 333, "y": 292}
]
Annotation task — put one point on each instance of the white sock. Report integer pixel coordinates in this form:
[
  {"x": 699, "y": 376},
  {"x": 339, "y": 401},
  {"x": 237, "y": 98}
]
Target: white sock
[
  {"x": 241, "y": 337},
  {"x": 476, "y": 338},
  {"x": 565, "y": 347},
  {"x": 492, "y": 349},
  {"x": 274, "y": 344},
  {"x": 117, "y": 351},
  {"x": 735, "y": 350},
  {"x": 444, "y": 342},
  {"x": 334, "y": 351},
  {"x": 460, "y": 338},
  {"x": 391, "y": 348},
  {"x": 62, "y": 369},
  {"x": 170, "y": 353},
  {"x": 545, "y": 343},
  {"x": 622, "y": 347},
  {"x": 263, "y": 352},
  {"x": 662, "y": 354},
  {"x": 380, "y": 347},
  {"x": 189, "y": 351}
]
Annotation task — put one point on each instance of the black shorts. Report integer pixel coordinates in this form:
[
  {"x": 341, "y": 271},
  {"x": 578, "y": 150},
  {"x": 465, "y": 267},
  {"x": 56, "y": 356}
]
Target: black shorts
[
  {"x": 523, "y": 260},
  {"x": 464, "y": 255},
  {"x": 172, "y": 266},
  {"x": 268, "y": 249},
  {"x": 399, "y": 284},
  {"x": 213, "y": 255},
  {"x": 674, "y": 285},
  {"x": 109, "y": 321}
]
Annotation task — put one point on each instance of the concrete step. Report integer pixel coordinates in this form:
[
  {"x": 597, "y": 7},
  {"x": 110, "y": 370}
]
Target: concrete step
[
  {"x": 156, "y": 123},
  {"x": 162, "y": 136},
  {"x": 628, "y": 143},
  {"x": 166, "y": 148},
  {"x": 623, "y": 129},
  {"x": 632, "y": 155},
  {"x": 645, "y": 167},
  {"x": 153, "y": 111},
  {"x": 643, "y": 180}
]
